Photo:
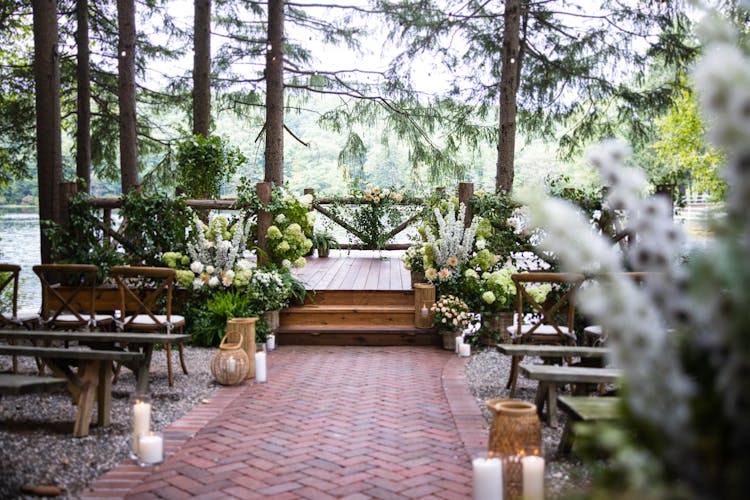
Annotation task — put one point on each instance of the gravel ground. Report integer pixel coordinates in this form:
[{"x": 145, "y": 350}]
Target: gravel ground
[
  {"x": 36, "y": 446},
  {"x": 487, "y": 373}
]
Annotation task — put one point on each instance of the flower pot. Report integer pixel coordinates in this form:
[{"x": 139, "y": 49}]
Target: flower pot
[
  {"x": 417, "y": 277},
  {"x": 272, "y": 320},
  {"x": 515, "y": 431},
  {"x": 449, "y": 340},
  {"x": 323, "y": 252},
  {"x": 495, "y": 328}
]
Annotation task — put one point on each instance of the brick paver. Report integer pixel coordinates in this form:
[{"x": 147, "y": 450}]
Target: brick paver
[{"x": 331, "y": 422}]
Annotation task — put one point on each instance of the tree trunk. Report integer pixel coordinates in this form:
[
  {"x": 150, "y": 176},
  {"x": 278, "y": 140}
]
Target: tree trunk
[
  {"x": 508, "y": 90},
  {"x": 83, "y": 77},
  {"x": 126, "y": 94},
  {"x": 202, "y": 68},
  {"x": 48, "y": 138},
  {"x": 275, "y": 94}
]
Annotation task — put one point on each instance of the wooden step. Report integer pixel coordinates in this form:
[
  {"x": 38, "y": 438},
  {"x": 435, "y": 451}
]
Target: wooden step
[
  {"x": 360, "y": 297},
  {"x": 357, "y": 335},
  {"x": 347, "y": 315}
]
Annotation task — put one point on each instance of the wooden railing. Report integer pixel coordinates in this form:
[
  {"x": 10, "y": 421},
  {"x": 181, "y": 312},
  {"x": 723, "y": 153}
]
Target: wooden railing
[{"x": 264, "y": 190}]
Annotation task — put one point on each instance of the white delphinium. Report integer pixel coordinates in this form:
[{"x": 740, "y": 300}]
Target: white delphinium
[
  {"x": 636, "y": 325},
  {"x": 453, "y": 239}
]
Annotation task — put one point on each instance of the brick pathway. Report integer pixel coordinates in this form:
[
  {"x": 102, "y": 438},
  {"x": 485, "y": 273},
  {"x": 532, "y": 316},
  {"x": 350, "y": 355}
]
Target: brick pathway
[{"x": 331, "y": 422}]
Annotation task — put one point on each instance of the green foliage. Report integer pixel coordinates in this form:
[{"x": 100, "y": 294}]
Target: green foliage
[
  {"x": 500, "y": 211},
  {"x": 683, "y": 151},
  {"x": 203, "y": 164},
  {"x": 208, "y": 312},
  {"x": 155, "y": 224},
  {"x": 323, "y": 240}
]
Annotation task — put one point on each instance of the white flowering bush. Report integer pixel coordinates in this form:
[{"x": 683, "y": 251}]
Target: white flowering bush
[
  {"x": 288, "y": 238},
  {"x": 681, "y": 337}
]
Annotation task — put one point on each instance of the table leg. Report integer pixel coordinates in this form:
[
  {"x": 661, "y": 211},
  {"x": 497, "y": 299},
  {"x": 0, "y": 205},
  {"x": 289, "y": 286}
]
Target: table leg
[
  {"x": 142, "y": 372},
  {"x": 566, "y": 440}
]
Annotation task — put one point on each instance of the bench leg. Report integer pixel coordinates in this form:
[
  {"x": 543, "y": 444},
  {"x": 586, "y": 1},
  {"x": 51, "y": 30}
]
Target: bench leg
[
  {"x": 552, "y": 404},
  {"x": 566, "y": 440},
  {"x": 104, "y": 394},
  {"x": 89, "y": 383},
  {"x": 541, "y": 396},
  {"x": 513, "y": 377}
]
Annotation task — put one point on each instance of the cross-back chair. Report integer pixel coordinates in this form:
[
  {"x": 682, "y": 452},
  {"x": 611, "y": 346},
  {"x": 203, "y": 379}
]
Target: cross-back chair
[
  {"x": 69, "y": 297},
  {"x": 146, "y": 305},
  {"x": 549, "y": 322},
  {"x": 13, "y": 318}
]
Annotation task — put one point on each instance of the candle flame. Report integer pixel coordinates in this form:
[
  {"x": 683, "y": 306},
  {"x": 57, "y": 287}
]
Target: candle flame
[
  {"x": 490, "y": 454},
  {"x": 522, "y": 452},
  {"x": 536, "y": 452}
]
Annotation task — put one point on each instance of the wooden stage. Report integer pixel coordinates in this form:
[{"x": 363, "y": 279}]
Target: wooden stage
[{"x": 356, "y": 270}]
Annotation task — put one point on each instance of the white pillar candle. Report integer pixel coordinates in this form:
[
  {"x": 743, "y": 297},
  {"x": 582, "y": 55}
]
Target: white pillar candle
[
  {"x": 425, "y": 311},
  {"x": 533, "y": 477},
  {"x": 464, "y": 350},
  {"x": 141, "y": 421},
  {"x": 459, "y": 342},
  {"x": 150, "y": 449},
  {"x": 488, "y": 478},
  {"x": 260, "y": 366},
  {"x": 271, "y": 342},
  {"x": 231, "y": 365}
]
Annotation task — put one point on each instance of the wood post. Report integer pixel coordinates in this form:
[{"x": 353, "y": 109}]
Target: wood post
[
  {"x": 666, "y": 190},
  {"x": 246, "y": 328},
  {"x": 265, "y": 219},
  {"x": 67, "y": 190},
  {"x": 465, "y": 192},
  {"x": 424, "y": 298}
]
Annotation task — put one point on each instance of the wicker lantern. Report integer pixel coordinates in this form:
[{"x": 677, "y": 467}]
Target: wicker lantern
[
  {"x": 515, "y": 431},
  {"x": 230, "y": 363}
]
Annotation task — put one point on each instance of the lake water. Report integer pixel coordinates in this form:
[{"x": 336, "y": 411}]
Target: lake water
[{"x": 19, "y": 244}]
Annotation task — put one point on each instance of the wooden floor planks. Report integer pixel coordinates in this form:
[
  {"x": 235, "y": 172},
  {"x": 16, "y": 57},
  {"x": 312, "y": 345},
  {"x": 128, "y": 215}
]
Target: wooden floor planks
[{"x": 356, "y": 270}]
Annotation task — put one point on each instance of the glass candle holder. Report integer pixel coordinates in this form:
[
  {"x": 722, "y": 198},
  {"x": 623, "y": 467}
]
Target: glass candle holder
[
  {"x": 150, "y": 449},
  {"x": 140, "y": 421}
]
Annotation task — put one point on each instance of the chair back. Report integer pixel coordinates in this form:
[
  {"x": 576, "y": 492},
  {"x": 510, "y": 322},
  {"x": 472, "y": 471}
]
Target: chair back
[
  {"x": 9, "y": 278},
  {"x": 549, "y": 326},
  {"x": 144, "y": 293},
  {"x": 68, "y": 294}
]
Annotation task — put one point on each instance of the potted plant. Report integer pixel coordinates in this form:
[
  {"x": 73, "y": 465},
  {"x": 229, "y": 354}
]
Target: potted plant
[
  {"x": 324, "y": 241},
  {"x": 451, "y": 317}
]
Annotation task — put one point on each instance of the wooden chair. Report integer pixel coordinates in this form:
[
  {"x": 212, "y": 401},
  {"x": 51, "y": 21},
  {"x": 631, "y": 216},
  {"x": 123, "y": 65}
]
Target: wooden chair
[
  {"x": 69, "y": 297},
  {"x": 543, "y": 326},
  {"x": 146, "y": 305},
  {"x": 9, "y": 277}
]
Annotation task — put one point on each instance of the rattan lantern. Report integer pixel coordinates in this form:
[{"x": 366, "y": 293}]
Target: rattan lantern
[
  {"x": 515, "y": 432},
  {"x": 230, "y": 363}
]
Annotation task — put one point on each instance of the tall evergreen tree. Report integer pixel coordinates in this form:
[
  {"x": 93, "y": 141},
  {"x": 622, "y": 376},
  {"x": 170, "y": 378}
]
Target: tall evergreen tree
[
  {"x": 83, "y": 115},
  {"x": 48, "y": 132},
  {"x": 126, "y": 94},
  {"x": 202, "y": 68}
]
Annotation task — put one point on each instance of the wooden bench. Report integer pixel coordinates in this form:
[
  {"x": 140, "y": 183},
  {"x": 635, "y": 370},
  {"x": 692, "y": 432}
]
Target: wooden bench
[
  {"x": 92, "y": 381},
  {"x": 550, "y": 376},
  {"x": 13, "y": 384},
  {"x": 584, "y": 409}
]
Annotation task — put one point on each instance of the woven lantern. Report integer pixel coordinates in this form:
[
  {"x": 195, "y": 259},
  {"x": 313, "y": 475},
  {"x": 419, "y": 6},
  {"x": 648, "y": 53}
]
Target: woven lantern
[
  {"x": 230, "y": 363},
  {"x": 515, "y": 432}
]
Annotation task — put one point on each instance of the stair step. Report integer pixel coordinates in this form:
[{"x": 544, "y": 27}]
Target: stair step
[
  {"x": 356, "y": 335},
  {"x": 341, "y": 315},
  {"x": 360, "y": 297}
]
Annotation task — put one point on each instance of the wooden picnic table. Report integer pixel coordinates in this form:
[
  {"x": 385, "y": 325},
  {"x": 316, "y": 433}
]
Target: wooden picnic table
[{"x": 89, "y": 372}]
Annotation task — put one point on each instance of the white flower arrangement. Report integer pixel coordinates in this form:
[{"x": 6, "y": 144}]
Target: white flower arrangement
[{"x": 453, "y": 241}]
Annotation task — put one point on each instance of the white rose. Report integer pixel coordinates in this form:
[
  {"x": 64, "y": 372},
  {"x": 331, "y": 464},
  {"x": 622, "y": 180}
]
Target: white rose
[
  {"x": 197, "y": 284},
  {"x": 210, "y": 269},
  {"x": 213, "y": 282},
  {"x": 196, "y": 267}
]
